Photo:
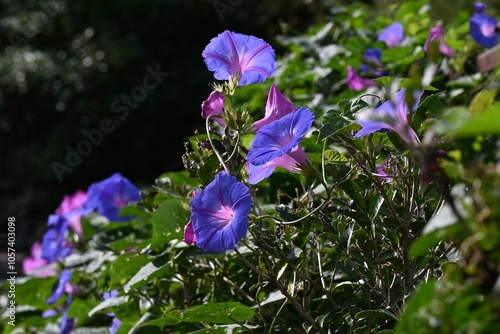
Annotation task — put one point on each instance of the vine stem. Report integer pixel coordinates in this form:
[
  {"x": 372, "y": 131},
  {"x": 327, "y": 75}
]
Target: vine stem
[
  {"x": 298, "y": 307},
  {"x": 207, "y": 127}
]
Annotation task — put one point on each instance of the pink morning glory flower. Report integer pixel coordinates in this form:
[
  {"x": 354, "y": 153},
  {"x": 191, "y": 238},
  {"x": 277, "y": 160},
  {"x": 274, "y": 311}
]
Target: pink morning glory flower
[
  {"x": 392, "y": 116},
  {"x": 71, "y": 208},
  {"x": 189, "y": 236},
  {"x": 392, "y": 35},
  {"x": 232, "y": 54},
  {"x": 214, "y": 105},
  {"x": 483, "y": 28},
  {"x": 219, "y": 213},
  {"x": 436, "y": 34},
  {"x": 109, "y": 196},
  {"x": 277, "y": 106},
  {"x": 276, "y": 145},
  {"x": 356, "y": 82},
  {"x": 33, "y": 264}
]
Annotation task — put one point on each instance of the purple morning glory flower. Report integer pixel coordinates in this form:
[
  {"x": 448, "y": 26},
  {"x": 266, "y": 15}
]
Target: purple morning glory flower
[
  {"x": 115, "y": 323},
  {"x": 280, "y": 137},
  {"x": 291, "y": 162},
  {"x": 54, "y": 244},
  {"x": 109, "y": 196},
  {"x": 232, "y": 54},
  {"x": 356, "y": 82},
  {"x": 220, "y": 213},
  {"x": 436, "y": 34},
  {"x": 277, "y": 106},
  {"x": 392, "y": 35},
  {"x": 483, "y": 28},
  {"x": 60, "y": 287},
  {"x": 67, "y": 324},
  {"x": 391, "y": 115},
  {"x": 214, "y": 105},
  {"x": 372, "y": 63}
]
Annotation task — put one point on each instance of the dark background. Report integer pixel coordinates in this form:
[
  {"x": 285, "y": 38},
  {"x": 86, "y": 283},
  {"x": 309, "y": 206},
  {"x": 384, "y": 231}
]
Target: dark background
[{"x": 66, "y": 61}]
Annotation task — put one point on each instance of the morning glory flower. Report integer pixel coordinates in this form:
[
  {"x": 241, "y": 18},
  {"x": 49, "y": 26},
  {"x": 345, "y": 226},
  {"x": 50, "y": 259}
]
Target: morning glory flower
[
  {"x": 72, "y": 208},
  {"x": 277, "y": 106},
  {"x": 67, "y": 324},
  {"x": 291, "y": 162},
  {"x": 392, "y": 116},
  {"x": 54, "y": 244},
  {"x": 372, "y": 63},
  {"x": 189, "y": 236},
  {"x": 219, "y": 213},
  {"x": 60, "y": 287},
  {"x": 109, "y": 196},
  {"x": 33, "y": 264},
  {"x": 356, "y": 82},
  {"x": 392, "y": 35},
  {"x": 436, "y": 34},
  {"x": 214, "y": 105},
  {"x": 248, "y": 58},
  {"x": 115, "y": 323},
  {"x": 483, "y": 28},
  {"x": 280, "y": 137}
]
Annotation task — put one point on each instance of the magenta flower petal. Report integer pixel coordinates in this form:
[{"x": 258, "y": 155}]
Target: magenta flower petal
[
  {"x": 483, "y": 28},
  {"x": 280, "y": 137},
  {"x": 33, "y": 264},
  {"x": 436, "y": 33},
  {"x": 390, "y": 116},
  {"x": 72, "y": 208},
  {"x": 357, "y": 83},
  {"x": 214, "y": 105},
  {"x": 219, "y": 213},
  {"x": 392, "y": 35},
  {"x": 232, "y": 54},
  {"x": 277, "y": 106}
]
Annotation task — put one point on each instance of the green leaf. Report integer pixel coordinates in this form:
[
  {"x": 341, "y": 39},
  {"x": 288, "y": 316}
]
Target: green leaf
[
  {"x": 485, "y": 123},
  {"x": 334, "y": 157},
  {"x": 169, "y": 221},
  {"x": 215, "y": 313},
  {"x": 482, "y": 101},
  {"x": 416, "y": 307},
  {"x": 33, "y": 291},
  {"x": 336, "y": 124},
  {"x": 427, "y": 241},
  {"x": 81, "y": 308},
  {"x": 375, "y": 314},
  {"x": 148, "y": 272},
  {"x": 125, "y": 266},
  {"x": 120, "y": 300}
]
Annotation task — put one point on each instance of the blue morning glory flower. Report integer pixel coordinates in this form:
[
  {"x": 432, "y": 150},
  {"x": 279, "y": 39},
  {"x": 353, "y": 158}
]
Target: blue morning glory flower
[
  {"x": 232, "y": 54},
  {"x": 280, "y": 137},
  {"x": 392, "y": 35},
  {"x": 372, "y": 63},
  {"x": 54, "y": 244},
  {"x": 390, "y": 115},
  {"x": 109, "y": 196},
  {"x": 219, "y": 213},
  {"x": 483, "y": 28},
  {"x": 115, "y": 323},
  {"x": 67, "y": 324},
  {"x": 60, "y": 287}
]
